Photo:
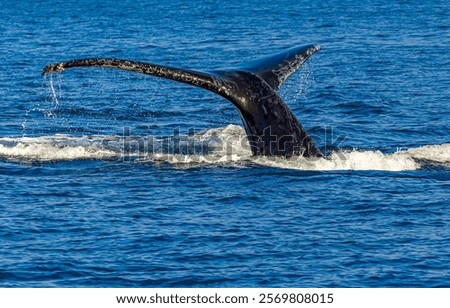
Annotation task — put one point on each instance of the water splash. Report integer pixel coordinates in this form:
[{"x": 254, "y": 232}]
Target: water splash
[
  {"x": 46, "y": 111},
  {"x": 54, "y": 97},
  {"x": 219, "y": 146}
]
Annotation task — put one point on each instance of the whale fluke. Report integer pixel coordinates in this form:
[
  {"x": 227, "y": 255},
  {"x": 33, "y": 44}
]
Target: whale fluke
[
  {"x": 275, "y": 69},
  {"x": 271, "y": 127}
]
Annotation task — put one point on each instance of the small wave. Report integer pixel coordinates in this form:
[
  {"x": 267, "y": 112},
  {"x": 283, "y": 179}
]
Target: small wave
[{"x": 225, "y": 145}]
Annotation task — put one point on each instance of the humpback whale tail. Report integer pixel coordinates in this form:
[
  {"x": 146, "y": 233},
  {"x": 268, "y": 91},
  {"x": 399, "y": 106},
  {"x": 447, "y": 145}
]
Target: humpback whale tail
[{"x": 271, "y": 127}]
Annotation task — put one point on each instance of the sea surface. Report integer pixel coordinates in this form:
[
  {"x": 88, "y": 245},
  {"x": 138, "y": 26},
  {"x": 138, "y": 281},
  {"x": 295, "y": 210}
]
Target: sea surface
[{"x": 96, "y": 192}]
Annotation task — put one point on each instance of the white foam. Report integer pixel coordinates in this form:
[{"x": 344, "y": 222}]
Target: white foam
[
  {"x": 232, "y": 146},
  {"x": 226, "y": 145},
  {"x": 53, "y": 148},
  {"x": 432, "y": 153},
  {"x": 354, "y": 160}
]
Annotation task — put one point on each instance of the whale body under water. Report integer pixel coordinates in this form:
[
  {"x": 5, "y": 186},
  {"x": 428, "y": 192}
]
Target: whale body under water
[{"x": 271, "y": 127}]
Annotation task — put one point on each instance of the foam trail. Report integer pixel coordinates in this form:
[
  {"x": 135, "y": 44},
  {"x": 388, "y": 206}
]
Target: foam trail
[
  {"x": 220, "y": 146},
  {"x": 54, "y": 148}
]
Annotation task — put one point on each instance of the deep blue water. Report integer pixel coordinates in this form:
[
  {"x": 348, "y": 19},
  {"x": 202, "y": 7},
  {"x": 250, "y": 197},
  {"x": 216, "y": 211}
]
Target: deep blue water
[{"x": 75, "y": 213}]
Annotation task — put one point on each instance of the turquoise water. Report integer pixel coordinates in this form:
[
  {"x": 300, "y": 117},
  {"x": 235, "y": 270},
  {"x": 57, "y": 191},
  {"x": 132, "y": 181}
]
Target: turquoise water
[{"x": 84, "y": 203}]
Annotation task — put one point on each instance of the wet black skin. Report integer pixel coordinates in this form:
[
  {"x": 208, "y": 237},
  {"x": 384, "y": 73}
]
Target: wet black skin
[{"x": 271, "y": 127}]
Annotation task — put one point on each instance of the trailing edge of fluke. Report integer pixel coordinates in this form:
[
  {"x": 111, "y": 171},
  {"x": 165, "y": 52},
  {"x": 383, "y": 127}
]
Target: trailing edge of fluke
[{"x": 271, "y": 127}]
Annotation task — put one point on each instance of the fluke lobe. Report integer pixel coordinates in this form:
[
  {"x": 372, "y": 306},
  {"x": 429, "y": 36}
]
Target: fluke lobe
[{"x": 271, "y": 127}]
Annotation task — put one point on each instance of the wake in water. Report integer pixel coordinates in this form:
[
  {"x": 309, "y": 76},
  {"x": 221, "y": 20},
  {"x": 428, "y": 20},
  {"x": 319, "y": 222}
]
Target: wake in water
[{"x": 227, "y": 145}]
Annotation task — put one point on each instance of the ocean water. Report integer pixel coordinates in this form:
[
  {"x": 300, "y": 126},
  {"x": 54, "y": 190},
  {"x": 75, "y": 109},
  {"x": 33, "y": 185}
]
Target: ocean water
[{"x": 85, "y": 202}]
